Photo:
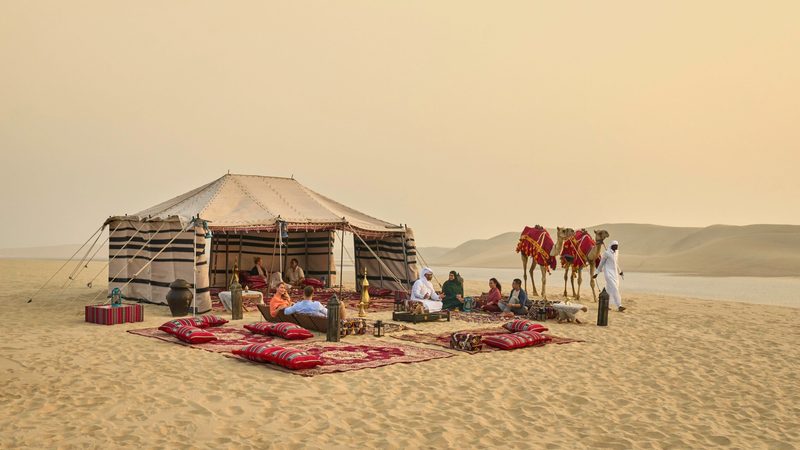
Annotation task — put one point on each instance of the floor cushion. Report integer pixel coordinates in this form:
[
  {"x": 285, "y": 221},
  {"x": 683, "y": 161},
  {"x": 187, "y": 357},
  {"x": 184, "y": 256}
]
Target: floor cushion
[
  {"x": 172, "y": 325},
  {"x": 511, "y": 341},
  {"x": 293, "y": 359},
  {"x": 524, "y": 325},
  {"x": 536, "y": 337},
  {"x": 256, "y": 352},
  {"x": 211, "y": 320},
  {"x": 259, "y": 328},
  {"x": 467, "y": 342},
  {"x": 194, "y": 335},
  {"x": 288, "y": 330}
]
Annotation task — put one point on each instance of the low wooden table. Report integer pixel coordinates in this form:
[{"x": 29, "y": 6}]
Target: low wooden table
[{"x": 416, "y": 318}]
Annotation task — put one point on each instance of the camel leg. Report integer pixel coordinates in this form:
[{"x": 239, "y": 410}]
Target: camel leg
[
  {"x": 566, "y": 274},
  {"x": 572, "y": 281},
  {"x": 525, "y": 269},
  {"x": 533, "y": 282},
  {"x": 580, "y": 280},
  {"x": 544, "y": 282},
  {"x": 592, "y": 282}
]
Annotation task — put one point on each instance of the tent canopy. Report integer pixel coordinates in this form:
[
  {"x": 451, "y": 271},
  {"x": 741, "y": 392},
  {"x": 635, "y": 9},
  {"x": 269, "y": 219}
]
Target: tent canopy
[{"x": 242, "y": 202}]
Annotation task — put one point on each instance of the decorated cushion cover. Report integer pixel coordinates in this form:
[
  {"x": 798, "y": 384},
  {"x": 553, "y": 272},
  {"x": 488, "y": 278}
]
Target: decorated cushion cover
[
  {"x": 256, "y": 352},
  {"x": 172, "y": 325},
  {"x": 194, "y": 335},
  {"x": 213, "y": 321},
  {"x": 466, "y": 342},
  {"x": 511, "y": 341},
  {"x": 260, "y": 328},
  {"x": 288, "y": 330},
  {"x": 524, "y": 325},
  {"x": 293, "y": 359}
]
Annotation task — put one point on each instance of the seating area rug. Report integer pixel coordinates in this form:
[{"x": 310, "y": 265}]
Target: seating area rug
[
  {"x": 443, "y": 339},
  {"x": 336, "y": 356},
  {"x": 477, "y": 317},
  {"x": 342, "y": 357}
]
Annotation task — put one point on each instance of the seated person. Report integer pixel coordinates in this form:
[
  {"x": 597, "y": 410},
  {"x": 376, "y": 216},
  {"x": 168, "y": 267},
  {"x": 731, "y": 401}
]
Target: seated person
[
  {"x": 453, "y": 292},
  {"x": 258, "y": 269},
  {"x": 568, "y": 312},
  {"x": 295, "y": 274},
  {"x": 489, "y": 302},
  {"x": 423, "y": 292},
  {"x": 307, "y": 305},
  {"x": 517, "y": 301},
  {"x": 279, "y": 301},
  {"x": 276, "y": 279}
]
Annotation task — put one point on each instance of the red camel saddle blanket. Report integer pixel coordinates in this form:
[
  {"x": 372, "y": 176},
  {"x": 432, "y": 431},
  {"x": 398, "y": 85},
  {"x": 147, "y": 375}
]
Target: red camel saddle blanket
[{"x": 112, "y": 315}]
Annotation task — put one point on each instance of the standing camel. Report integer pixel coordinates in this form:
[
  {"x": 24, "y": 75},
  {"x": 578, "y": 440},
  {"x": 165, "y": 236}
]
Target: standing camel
[
  {"x": 579, "y": 251},
  {"x": 536, "y": 243}
]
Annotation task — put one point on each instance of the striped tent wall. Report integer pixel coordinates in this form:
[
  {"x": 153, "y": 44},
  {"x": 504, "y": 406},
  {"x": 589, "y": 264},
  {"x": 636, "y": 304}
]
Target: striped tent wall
[
  {"x": 133, "y": 244},
  {"x": 399, "y": 259},
  {"x": 313, "y": 250}
]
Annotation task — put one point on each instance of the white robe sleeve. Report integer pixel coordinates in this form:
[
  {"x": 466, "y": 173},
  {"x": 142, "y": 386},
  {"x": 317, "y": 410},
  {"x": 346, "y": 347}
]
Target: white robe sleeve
[
  {"x": 602, "y": 264},
  {"x": 416, "y": 291}
]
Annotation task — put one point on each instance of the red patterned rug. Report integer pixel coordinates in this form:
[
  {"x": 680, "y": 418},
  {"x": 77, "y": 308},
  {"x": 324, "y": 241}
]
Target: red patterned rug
[
  {"x": 477, "y": 317},
  {"x": 443, "y": 339},
  {"x": 336, "y": 357},
  {"x": 343, "y": 357}
]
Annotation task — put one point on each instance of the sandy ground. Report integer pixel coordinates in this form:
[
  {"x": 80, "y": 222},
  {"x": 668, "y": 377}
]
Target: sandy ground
[{"x": 668, "y": 373}]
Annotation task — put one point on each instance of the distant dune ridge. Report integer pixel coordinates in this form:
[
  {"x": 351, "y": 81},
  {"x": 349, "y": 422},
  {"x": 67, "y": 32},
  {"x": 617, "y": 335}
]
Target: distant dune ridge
[{"x": 718, "y": 250}]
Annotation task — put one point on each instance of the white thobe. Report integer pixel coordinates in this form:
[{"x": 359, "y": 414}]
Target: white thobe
[
  {"x": 610, "y": 268},
  {"x": 421, "y": 287}
]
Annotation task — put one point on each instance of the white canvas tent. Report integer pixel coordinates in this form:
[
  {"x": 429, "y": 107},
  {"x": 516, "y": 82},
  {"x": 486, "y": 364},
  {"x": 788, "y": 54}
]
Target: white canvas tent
[{"x": 275, "y": 218}]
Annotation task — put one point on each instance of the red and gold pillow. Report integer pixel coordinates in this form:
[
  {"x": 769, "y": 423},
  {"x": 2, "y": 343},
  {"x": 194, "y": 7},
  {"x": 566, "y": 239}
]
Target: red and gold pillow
[
  {"x": 194, "y": 335},
  {"x": 524, "y": 325},
  {"x": 536, "y": 337},
  {"x": 212, "y": 321},
  {"x": 172, "y": 325},
  {"x": 288, "y": 330},
  {"x": 511, "y": 341},
  {"x": 293, "y": 359},
  {"x": 256, "y": 352},
  {"x": 260, "y": 328}
]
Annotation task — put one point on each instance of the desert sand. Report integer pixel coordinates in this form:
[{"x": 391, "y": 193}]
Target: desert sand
[
  {"x": 718, "y": 250},
  {"x": 668, "y": 373}
]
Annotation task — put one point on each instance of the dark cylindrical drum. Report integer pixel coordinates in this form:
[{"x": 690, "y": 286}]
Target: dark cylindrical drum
[
  {"x": 602, "y": 309},
  {"x": 333, "y": 319},
  {"x": 179, "y": 297},
  {"x": 236, "y": 301}
]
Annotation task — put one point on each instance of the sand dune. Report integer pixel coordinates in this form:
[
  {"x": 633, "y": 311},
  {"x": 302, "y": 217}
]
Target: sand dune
[
  {"x": 753, "y": 250},
  {"x": 668, "y": 373}
]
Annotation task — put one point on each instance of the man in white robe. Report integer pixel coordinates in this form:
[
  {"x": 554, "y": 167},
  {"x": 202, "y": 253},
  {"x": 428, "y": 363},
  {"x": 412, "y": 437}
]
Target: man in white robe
[
  {"x": 423, "y": 292},
  {"x": 609, "y": 266}
]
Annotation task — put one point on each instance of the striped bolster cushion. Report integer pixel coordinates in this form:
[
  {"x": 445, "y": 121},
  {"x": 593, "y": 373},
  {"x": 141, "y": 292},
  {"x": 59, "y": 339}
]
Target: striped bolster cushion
[
  {"x": 259, "y": 328},
  {"x": 524, "y": 325},
  {"x": 171, "y": 326},
  {"x": 212, "y": 321},
  {"x": 288, "y": 330},
  {"x": 194, "y": 335},
  {"x": 256, "y": 352},
  {"x": 294, "y": 359},
  {"x": 516, "y": 340}
]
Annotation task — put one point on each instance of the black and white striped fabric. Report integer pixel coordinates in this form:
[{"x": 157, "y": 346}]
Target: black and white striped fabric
[
  {"x": 313, "y": 250},
  {"x": 133, "y": 244},
  {"x": 399, "y": 255}
]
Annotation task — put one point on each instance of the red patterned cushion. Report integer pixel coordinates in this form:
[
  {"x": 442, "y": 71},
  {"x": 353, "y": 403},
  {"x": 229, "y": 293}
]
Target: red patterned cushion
[
  {"x": 260, "y": 328},
  {"x": 172, "y": 325},
  {"x": 536, "y": 337},
  {"x": 288, "y": 330},
  {"x": 524, "y": 325},
  {"x": 508, "y": 341},
  {"x": 293, "y": 359},
  {"x": 313, "y": 282},
  {"x": 194, "y": 335},
  {"x": 213, "y": 321},
  {"x": 257, "y": 352}
]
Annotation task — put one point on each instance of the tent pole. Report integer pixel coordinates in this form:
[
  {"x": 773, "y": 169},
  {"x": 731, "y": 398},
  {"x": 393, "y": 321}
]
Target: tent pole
[
  {"x": 227, "y": 250},
  {"x": 341, "y": 264},
  {"x": 330, "y": 252},
  {"x": 194, "y": 271},
  {"x": 405, "y": 257}
]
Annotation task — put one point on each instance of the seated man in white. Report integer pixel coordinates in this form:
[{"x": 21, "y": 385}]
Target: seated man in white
[
  {"x": 307, "y": 306},
  {"x": 423, "y": 292}
]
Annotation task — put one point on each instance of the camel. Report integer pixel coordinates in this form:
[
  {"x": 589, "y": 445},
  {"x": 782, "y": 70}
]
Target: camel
[
  {"x": 561, "y": 235},
  {"x": 578, "y": 261}
]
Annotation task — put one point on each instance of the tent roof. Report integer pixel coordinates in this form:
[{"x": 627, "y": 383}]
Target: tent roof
[{"x": 252, "y": 201}]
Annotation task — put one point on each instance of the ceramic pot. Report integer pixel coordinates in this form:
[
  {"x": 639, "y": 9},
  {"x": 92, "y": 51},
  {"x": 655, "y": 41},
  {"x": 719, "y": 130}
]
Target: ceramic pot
[{"x": 179, "y": 297}]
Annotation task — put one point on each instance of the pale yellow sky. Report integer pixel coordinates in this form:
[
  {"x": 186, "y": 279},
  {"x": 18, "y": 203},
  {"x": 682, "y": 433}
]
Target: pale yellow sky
[{"x": 462, "y": 119}]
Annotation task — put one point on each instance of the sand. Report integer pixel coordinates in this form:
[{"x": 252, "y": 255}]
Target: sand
[{"x": 669, "y": 373}]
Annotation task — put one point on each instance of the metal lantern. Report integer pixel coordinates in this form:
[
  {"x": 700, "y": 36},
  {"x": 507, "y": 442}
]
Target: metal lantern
[
  {"x": 377, "y": 329},
  {"x": 116, "y": 297},
  {"x": 209, "y": 235},
  {"x": 334, "y": 323}
]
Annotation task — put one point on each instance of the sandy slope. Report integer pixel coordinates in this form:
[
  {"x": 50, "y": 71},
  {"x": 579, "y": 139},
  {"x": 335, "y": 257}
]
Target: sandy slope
[
  {"x": 670, "y": 373},
  {"x": 754, "y": 250}
]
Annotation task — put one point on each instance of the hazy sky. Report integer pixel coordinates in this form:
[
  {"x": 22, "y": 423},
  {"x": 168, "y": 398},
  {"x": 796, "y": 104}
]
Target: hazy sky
[{"x": 462, "y": 119}]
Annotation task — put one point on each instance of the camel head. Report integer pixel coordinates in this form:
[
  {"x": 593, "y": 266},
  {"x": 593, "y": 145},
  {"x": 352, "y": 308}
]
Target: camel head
[
  {"x": 565, "y": 233},
  {"x": 600, "y": 236}
]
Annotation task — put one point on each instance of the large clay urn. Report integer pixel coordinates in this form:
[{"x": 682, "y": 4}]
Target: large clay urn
[{"x": 179, "y": 297}]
